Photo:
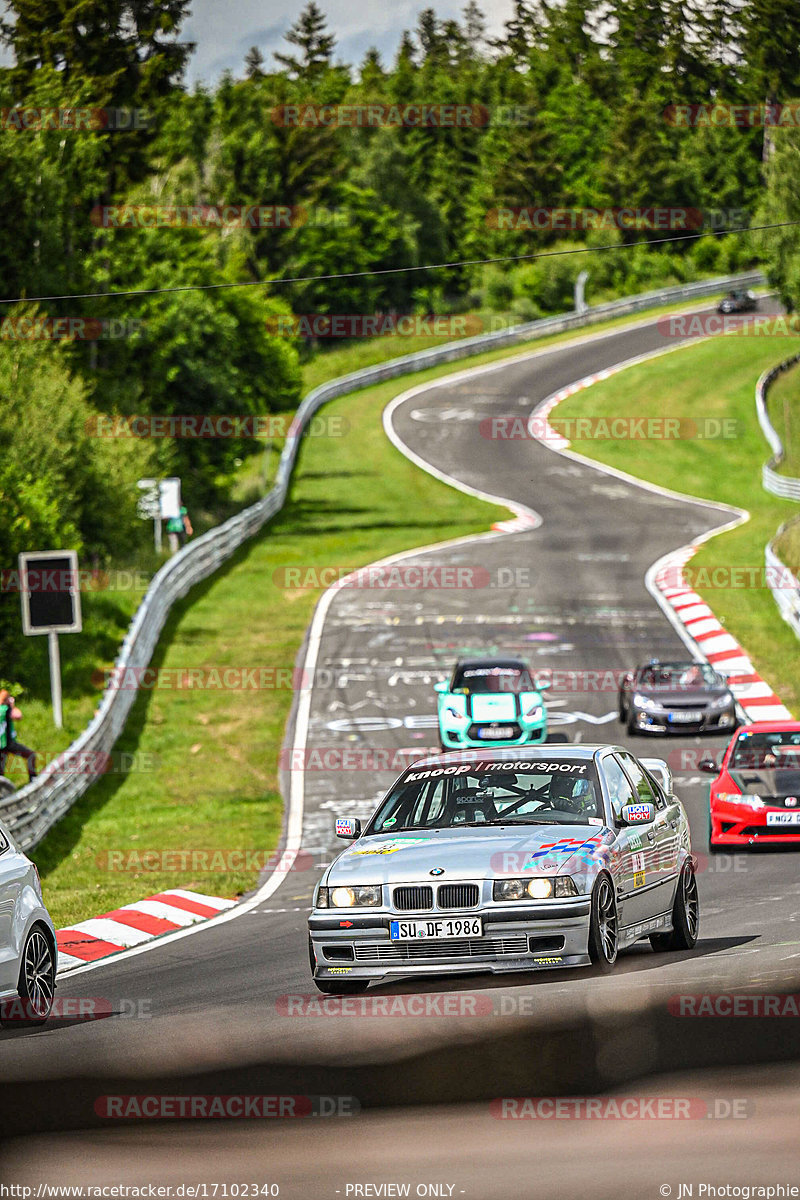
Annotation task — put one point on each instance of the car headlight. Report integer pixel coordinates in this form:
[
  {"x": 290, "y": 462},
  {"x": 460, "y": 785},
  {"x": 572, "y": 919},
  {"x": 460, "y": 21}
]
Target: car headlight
[
  {"x": 722, "y": 702},
  {"x": 361, "y": 896},
  {"x": 534, "y": 714},
  {"x": 738, "y": 798},
  {"x": 644, "y": 702},
  {"x": 534, "y": 889}
]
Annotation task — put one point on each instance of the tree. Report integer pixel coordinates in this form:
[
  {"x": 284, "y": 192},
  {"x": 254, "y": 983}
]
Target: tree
[
  {"x": 128, "y": 48},
  {"x": 309, "y": 35},
  {"x": 771, "y": 48},
  {"x": 254, "y": 61}
]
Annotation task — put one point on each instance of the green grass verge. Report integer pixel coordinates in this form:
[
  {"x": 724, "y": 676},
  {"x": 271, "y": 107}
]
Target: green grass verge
[
  {"x": 201, "y": 767},
  {"x": 710, "y": 381}
]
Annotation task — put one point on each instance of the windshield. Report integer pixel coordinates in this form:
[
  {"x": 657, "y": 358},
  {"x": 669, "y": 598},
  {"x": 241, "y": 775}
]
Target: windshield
[
  {"x": 770, "y": 751},
  {"x": 565, "y": 792},
  {"x": 680, "y": 676},
  {"x": 492, "y": 679}
]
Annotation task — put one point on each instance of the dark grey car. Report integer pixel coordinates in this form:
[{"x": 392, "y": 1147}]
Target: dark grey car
[{"x": 676, "y": 697}]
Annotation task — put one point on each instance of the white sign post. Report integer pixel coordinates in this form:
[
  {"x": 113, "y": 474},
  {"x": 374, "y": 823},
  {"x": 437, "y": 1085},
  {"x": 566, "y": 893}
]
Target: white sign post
[
  {"x": 50, "y": 592},
  {"x": 149, "y": 507}
]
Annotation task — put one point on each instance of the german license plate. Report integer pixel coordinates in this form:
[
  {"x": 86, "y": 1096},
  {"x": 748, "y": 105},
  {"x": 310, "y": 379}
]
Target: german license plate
[
  {"x": 690, "y": 715},
  {"x": 497, "y": 731},
  {"x": 783, "y": 818},
  {"x": 437, "y": 928}
]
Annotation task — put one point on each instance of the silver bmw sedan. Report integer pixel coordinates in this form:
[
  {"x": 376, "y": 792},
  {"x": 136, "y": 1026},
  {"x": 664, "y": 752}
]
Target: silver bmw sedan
[{"x": 507, "y": 860}]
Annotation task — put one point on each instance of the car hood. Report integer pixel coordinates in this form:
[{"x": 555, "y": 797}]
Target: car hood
[
  {"x": 474, "y": 853},
  {"x": 685, "y": 697},
  {"x": 494, "y": 706},
  {"x": 782, "y": 781}
]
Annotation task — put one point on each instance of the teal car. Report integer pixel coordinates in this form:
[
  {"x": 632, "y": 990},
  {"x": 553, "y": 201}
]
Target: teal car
[{"x": 491, "y": 701}]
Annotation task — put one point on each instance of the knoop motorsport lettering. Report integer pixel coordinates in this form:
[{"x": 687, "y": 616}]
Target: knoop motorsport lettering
[{"x": 481, "y": 768}]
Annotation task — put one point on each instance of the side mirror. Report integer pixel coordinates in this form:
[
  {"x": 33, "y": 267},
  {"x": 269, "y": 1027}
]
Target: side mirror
[
  {"x": 638, "y": 814},
  {"x": 348, "y": 828},
  {"x": 708, "y": 766},
  {"x": 441, "y": 687},
  {"x": 660, "y": 771},
  {"x": 544, "y": 685}
]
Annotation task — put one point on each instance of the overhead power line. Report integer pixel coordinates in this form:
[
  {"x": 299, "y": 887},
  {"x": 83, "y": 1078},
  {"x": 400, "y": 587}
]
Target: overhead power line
[{"x": 445, "y": 266}]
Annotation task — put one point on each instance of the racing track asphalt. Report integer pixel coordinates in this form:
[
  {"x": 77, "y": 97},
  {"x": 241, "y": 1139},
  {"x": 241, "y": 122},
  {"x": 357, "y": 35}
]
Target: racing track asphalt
[{"x": 577, "y": 602}]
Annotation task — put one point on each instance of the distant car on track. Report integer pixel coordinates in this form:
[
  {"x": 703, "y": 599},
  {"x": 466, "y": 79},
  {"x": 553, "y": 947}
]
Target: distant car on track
[
  {"x": 507, "y": 860},
  {"x": 755, "y": 797},
  {"x": 676, "y": 697},
  {"x": 738, "y": 302},
  {"x": 491, "y": 701},
  {"x": 27, "y": 940}
]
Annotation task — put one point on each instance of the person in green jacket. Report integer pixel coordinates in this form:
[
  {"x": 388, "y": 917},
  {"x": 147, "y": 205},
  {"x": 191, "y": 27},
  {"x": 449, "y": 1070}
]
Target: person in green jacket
[
  {"x": 178, "y": 529},
  {"x": 9, "y": 713}
]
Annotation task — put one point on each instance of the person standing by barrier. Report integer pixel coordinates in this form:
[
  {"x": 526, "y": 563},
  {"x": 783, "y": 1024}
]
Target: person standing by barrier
[
  {"x": 178, "y": 529},
  {"x": 9, "y": 713}
]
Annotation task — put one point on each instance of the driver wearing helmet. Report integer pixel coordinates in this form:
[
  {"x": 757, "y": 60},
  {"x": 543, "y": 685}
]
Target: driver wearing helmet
[{"x": 570, "y": 795}]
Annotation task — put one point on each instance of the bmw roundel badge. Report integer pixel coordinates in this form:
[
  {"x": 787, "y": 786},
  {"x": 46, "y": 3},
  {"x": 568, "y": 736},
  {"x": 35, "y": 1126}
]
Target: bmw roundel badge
[{"x": 437, "y": 871}]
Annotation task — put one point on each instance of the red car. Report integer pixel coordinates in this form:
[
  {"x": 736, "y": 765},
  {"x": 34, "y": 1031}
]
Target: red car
[{"x": 755, "y": 797}]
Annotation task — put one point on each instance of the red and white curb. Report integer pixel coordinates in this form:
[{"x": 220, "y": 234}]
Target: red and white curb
[
  {"x": 714, "y": 643},
  {"x": 518, "y": 524},
  {"x": 134, "y": 924}
]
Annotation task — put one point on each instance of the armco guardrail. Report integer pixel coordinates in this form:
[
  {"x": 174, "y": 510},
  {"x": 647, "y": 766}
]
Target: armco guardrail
[
  {"x": 785, "y": 587},
  {"x": 32, "y": 811},
  {"x": 784, "y": 486}
]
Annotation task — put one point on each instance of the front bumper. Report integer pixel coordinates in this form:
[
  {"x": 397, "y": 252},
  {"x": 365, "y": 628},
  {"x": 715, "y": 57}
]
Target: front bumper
[
  {"x": 711, "y": 720},
  {"x": 462, "y": 739},
  {"x": 547, "y": 936},
  {"x": 739, "y": 825}
]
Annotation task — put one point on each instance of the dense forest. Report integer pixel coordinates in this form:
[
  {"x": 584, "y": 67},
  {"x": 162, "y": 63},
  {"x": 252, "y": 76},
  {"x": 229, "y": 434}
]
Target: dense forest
[{"x": 609, "y": 105}]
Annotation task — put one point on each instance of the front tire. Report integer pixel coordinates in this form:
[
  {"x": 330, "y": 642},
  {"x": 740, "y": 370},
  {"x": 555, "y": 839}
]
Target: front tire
[
  {"x": 603, "y": 927},
  {"x": 685, "y": 916}
]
